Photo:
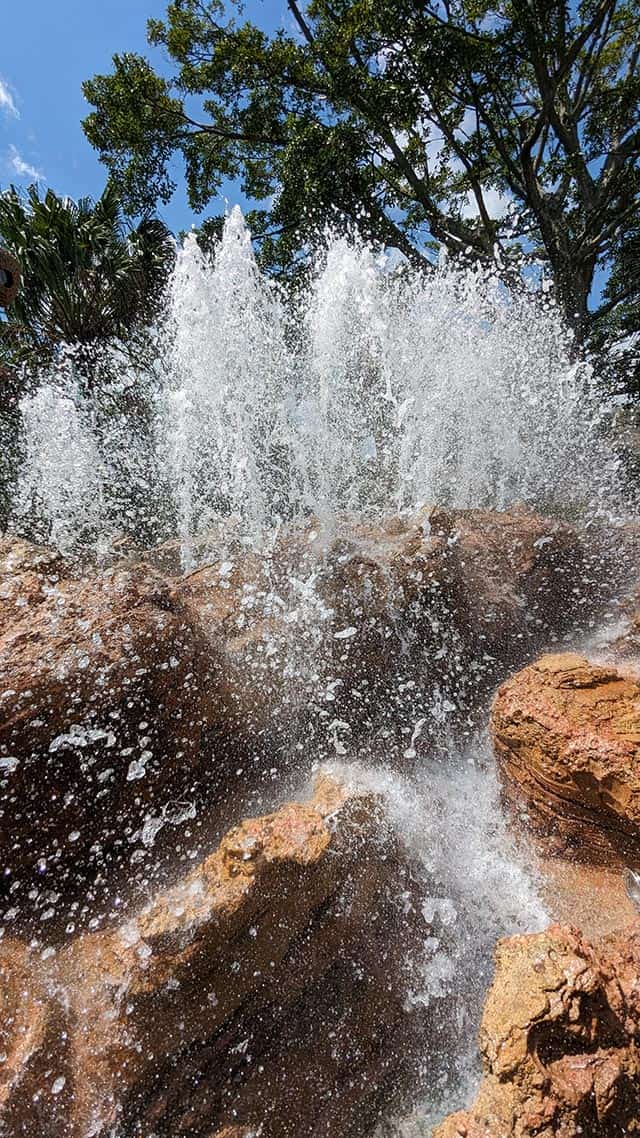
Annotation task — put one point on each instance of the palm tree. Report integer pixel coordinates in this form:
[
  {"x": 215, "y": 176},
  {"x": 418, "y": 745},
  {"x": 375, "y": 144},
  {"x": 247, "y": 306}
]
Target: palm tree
[{"x": 89, "y": 277}]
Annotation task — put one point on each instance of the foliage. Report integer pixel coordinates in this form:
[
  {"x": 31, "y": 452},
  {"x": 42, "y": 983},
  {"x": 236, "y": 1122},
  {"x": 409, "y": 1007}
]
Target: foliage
[
  {"x": 89, "y": 277},
  {"x": 507, "y": 129}
]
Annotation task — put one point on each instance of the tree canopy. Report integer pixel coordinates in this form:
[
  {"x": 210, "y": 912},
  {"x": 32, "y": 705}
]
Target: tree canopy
[
  {"x": 88, "y": 275},
  {"x": 502, "y": 130}
]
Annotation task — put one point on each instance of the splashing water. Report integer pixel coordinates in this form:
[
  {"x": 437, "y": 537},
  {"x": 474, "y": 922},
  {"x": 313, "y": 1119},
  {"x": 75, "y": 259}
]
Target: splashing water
[
  {"x": 377, "y": 390},
  {"x": 373, "y": 391},
  {"x": 63, "y": 481},
  {"x": 475, "y": 891}
]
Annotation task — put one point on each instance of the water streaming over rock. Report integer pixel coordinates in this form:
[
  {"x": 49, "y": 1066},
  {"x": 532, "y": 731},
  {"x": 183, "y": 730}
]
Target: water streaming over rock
[{"x": 370, "y": 391}]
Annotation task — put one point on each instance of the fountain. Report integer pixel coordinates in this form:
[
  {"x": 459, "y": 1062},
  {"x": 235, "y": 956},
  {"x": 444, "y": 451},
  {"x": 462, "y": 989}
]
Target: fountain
[
  {"x": 376, "y": 391},
  {"x": 293, "y": 449}
]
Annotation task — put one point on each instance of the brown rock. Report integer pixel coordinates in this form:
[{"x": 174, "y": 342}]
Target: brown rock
[
  {"x": 104, "y": 691},
  {"x": 625, "y": 644},
  {"x": 520, "y": 576},
  {"x": 567, "y": 736},
  {"x": 118, "y": 689},
  {"x": 321, "y": 608},
  {"x": 591, "y": 896},
  {"x": 559, "y": 1040},
  {"x": 174, "y": 1023},
  {"x": 443, "y": 597}
]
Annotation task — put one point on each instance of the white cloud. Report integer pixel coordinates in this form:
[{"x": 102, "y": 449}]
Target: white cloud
[
  {"x": 497, "y": 204},
  {"x": 7, "y": 103},
  {"x": 21, "y": 168}
]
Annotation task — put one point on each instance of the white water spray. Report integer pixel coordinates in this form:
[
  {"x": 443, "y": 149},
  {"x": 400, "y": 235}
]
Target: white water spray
[{"x": 375, "y": 392}]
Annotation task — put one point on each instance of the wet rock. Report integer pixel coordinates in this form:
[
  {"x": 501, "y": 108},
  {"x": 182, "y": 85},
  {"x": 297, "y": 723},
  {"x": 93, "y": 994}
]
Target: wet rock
[
  {"x": 591, "y": 895},
  {"x": 559, "y": 1040},
  {"x": 445, "y": 599},
  {"x": 27, "y": 573},
  {"x": 520, "y": 576},
  {"x": 122, "y": 692},
  {"x": 232, "y": 1132},
  {"x": 104, "y": 690},
  {"x": 567, "y": 736},
  {"x": 318, "y": 615},
  {"x": 264, "y": 992},
  {"x": 623, "y": 645}
]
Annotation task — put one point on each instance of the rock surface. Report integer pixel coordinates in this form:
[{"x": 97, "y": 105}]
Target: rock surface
[
  {"x": 104, "y": 691},
  {"x": 266, "y": 990},
  {"x": 122, "y": 692},
  {"x": 559, "y": 1040},
  {"x": 567, "y": 736},
  {"x": 625, "y": 645},
  {"x": 445, "y": 598},
  {"x": 592, "y": 896}
]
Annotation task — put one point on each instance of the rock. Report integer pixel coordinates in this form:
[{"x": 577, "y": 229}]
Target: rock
[
  {"x": 175, "y": 1022},
  {"x": 320, "y": 614},
  {"x": 624, "y": 645},
  {"x": 520, "y": 576},
  {"x": 27, "y": 572},
  {"x": 591, "y": 896},
  {"x": 442, "y": 599},
  {"x": 559, "y": 1040},
  {"x": 122, "y": 692},
  {"x": 567, "y": 737},
  {"x": 104, "y": 691}
]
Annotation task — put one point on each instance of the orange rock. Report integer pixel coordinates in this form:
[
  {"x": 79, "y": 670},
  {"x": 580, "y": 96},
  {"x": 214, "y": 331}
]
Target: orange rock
[
  {"x": 431, "y": 594},
  {"x": 174, "y": 1023},
  {"x": 559, "y": 1040},
  {"x": 519, "y": 575},
  {"x": 567, "y": 736},
  {"x": 120, "y": 692}
]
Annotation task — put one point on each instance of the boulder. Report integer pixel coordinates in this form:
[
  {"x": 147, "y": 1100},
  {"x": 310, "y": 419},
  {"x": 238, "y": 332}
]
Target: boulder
[
  {"x": 521, "y": 577},
  {"x": 263, "y": 992},
  {"x": 104, "y": 691},
  {"x": 122, "y": 692},
  {"x": 328, "y": 619},
  {"x": 624, "y": 645},
  {"x": 559, "y": 1040},
  {"x": 317, "y": 616},
  {"x": 567, "y": 736}
]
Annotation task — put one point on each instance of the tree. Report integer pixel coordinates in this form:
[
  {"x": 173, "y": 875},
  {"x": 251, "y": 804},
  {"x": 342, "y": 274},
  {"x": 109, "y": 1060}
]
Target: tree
[
  {"x": 506, "y": 131},
  {"x": 88, "y": 276}
]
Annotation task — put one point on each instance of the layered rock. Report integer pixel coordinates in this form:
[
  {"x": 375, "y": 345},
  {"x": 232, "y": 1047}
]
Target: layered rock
[
  {"x": 567, "y": 736},
  {"x": 559, "y": 1040},
  {"x": 265, "y": 991}
]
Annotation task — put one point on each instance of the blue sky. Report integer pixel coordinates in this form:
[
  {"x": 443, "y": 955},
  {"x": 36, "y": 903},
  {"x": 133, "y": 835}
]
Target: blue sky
[{"x": 46, "y": 50}]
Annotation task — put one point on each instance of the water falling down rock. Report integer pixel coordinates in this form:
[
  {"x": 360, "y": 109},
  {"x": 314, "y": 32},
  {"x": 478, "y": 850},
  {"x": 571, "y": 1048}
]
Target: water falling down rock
[
  {"x": 122, "y": 689},
  {"x": 302, "y": 926},
  {"x": 446, "y": 599}
]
